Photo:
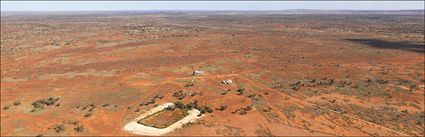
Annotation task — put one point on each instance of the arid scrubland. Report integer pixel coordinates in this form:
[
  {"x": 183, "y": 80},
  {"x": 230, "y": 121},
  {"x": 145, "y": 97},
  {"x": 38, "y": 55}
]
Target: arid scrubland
[{"x": 352, "y": 73}]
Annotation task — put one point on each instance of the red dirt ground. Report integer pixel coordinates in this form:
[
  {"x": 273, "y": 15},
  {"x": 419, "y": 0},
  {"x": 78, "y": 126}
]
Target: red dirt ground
[{"x": 324, "y": 74}]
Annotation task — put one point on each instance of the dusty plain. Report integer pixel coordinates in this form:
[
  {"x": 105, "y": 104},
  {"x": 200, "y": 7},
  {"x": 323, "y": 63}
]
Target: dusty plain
[{"x": 301, "y": 73}]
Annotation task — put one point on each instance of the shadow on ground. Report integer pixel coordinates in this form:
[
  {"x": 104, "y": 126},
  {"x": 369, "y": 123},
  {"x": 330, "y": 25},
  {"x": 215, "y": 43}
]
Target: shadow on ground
[{"x": 413, "y": 47}]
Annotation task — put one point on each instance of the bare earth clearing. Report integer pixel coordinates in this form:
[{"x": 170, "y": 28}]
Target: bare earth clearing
[{"x": 153, "y": 130}]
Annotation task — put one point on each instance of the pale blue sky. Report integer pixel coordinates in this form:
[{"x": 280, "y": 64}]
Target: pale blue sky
[{"x": 205, "y": 5}]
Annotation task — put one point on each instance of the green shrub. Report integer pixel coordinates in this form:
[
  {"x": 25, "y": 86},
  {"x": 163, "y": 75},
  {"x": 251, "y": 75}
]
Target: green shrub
[
  {"x": 58, "y": 128},
  {"x": 79, "y": 128},
  {"x": 16, "y": 103}
]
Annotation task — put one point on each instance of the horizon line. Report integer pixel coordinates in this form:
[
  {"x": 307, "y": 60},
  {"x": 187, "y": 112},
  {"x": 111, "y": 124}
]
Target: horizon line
[{"x": 217, "y": 10}]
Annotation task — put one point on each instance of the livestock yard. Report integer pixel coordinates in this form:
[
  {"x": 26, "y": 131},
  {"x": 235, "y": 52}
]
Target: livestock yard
[{"x": 233, "y": 73}]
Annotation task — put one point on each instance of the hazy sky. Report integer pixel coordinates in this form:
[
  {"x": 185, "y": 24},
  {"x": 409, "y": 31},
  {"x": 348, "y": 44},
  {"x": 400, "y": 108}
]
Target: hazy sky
[{"x": 205, "y": 5}]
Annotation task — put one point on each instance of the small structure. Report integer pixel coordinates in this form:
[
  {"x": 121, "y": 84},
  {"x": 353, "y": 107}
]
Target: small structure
[
  {"x": 197, "y": 72},
  {"x": 228, "y": 81}
]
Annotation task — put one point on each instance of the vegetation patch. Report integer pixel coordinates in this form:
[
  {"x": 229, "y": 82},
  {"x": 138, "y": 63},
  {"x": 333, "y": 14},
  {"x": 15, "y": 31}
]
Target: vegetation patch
[
  {"x": 181, "y": 95},
  {"x": 152, "y": 100},
  {"x": 409, "y": 122},
  {"x": 40, "y": 104}
]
